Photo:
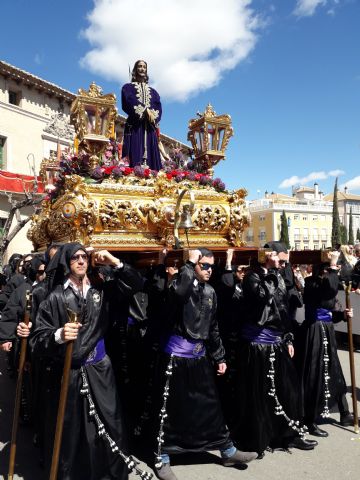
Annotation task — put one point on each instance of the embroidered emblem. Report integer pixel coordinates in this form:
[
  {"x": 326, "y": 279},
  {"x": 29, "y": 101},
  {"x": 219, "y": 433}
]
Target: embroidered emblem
[
  {"x": 139, "y": 110},
  {"x": 143, "y": 93},
  {"x": 198, "y": 347},
  {"x": 92, "y": 355},
  {"x": 96, "y": 297},
  {"x": 69, "y": 210}
]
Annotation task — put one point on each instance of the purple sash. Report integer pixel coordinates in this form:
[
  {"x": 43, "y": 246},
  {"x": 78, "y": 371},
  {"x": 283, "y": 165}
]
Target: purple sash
[
  {"x": 181, "y": 347},
  {"x": 256, "y": 334},
  {"x": 317, "y": 314},
  {"x": 97, "y": 354}
]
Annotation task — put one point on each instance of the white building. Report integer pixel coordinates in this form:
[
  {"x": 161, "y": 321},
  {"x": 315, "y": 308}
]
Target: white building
[
  {"x": 308, "y": 214},
  {"x": 34, "y": 117},
  {"x": 348, "y": 204}
]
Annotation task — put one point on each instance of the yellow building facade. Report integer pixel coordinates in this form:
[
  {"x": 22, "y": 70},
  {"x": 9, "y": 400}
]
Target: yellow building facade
[{"x": 309, "y": 219}]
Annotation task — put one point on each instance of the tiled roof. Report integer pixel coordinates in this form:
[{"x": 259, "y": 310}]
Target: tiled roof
[
  {"x": 17, "y": 74},
  {"x": 342, "y": 196}
]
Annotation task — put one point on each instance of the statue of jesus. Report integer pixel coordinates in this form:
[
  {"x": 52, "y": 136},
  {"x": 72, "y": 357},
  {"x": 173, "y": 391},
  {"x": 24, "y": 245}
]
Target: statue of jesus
[{"x": 143, "y": 106}]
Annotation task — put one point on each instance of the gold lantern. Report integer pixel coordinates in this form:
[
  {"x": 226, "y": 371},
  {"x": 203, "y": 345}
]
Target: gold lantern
[
  {"x": 93, "y": 115},
  {"x": 49, "y": 171},
  {"x": 210, "y": 135}
]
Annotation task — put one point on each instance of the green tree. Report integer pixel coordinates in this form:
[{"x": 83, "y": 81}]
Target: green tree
[
  {"x": 336, "y": 226},
  {"x": 351, "y": 229},
  {"x": 343, "y": 235},
  {"x": 284, "y": 232},
  {"x": 358, "y": 234}
]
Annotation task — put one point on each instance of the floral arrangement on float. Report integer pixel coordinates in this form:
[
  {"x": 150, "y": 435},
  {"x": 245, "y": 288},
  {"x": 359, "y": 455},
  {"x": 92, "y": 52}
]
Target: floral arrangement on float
[{"x": 177, "y": 168}]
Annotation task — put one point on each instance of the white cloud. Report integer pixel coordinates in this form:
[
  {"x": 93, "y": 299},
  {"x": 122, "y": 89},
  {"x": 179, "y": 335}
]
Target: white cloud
[
  {"x": 188, "y": 44},
  {"x": 353, "y": 184},
  {"x": 311, "y": 177},
  {"x": 306, "y": 8},
  {"x": 336, "y": 173}
]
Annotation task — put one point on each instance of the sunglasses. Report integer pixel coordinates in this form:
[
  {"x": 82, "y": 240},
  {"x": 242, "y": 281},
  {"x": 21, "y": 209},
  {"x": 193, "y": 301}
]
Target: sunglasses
[
  {"x": 206, "y": 266},
  {"x": 82, "y": 256}
]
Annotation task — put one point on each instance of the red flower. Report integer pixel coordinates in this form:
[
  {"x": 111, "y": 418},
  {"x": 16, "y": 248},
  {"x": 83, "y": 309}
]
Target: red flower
[
  {"x": 186, "y": 173},
  {"x": 174, "y": 173},
  {"x": 108, "y": 170},
  {"x": 147, "y": 172},
  {"x": 198, "y": 176},
  {"x": 169, "y": 176},
  {"x": 127, "y": 170}
]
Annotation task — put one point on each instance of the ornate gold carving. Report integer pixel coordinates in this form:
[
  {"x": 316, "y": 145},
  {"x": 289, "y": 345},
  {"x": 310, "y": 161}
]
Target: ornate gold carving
[
  {"x": 128, "y": 217},
  {"x": 210, "y": 218}
]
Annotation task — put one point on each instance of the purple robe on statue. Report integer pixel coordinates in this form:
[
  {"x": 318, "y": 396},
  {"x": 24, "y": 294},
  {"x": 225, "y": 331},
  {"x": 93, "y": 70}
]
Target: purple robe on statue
[{"x": 139, "y": 133}]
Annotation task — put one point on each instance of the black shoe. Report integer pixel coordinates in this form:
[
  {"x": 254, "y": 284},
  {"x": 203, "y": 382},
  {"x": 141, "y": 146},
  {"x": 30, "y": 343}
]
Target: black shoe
[
  {"x": 347, "y": 419},
  {"x": 239, "y": 458},
  {"x": 316, "y": 431},
  {"x": 261, "y": 455},
  {"x": 301, "y": 444}
]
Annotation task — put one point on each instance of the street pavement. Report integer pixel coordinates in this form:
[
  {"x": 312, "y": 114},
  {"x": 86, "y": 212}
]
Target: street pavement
[{"x": 336, "y": 457}]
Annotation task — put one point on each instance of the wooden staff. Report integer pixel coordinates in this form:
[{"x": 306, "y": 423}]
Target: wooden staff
[
  {"x": 19, "y": 388},
  {"x": 73, "y": 317},
  {"x": 347, "y": 289}
]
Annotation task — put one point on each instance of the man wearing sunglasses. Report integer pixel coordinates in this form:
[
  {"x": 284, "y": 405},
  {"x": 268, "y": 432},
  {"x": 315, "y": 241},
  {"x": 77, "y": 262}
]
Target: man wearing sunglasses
[
  {"x": 191, "y": 418},
  {"x": 93, "y": 408}
]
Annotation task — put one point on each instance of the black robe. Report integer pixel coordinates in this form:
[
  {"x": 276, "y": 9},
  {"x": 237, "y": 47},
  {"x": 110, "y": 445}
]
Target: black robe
[
  {"x": 83, "y": 455},
  {"x": 195, "y": 421},
  {"x": 15, "y": 281},
  {"x": 254, "y": 425},
  {"x": 320, "y": 293},
  {"x": 230, "y": 295}
]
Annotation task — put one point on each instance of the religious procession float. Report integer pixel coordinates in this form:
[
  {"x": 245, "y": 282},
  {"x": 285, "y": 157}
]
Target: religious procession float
[{"x": 131, "y": 195}]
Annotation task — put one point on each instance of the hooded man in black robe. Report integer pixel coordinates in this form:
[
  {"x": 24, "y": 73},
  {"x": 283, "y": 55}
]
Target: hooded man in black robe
[
  {"x": 191, "y": 419},
  {"x": 93, "y": 408},
  {"x": 268, "y": 389}
]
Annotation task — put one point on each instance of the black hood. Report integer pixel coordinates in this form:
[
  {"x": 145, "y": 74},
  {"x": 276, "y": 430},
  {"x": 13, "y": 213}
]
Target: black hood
[{"x": 59, "y": 266}]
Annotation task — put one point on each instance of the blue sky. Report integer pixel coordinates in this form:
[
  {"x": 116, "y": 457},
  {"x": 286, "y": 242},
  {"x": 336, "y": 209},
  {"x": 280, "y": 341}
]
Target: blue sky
[{"x": 288, "y": 72}]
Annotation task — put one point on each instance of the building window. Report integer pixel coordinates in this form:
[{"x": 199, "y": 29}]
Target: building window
[
  {"x": 323, "y": 246},
  {"x": 315, "y": 217},
  {"x": 305, "y": 218},
  {"x": 316, "y": 246},
  {"x": 261, "y": 218},
  {"x": 297, "y": 246},
  {"x": 323, "y": 218},
  {"x": 262, "y": 235},
  {"x": 296, "y": 217},
  {"x": 14, "y": 97},
  {"x": 305, "y": 234},
  {"x": 306, "y": 246},
  {"x": 2, "y": 153}
]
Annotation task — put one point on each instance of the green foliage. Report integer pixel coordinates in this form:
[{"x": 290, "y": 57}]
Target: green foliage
[
  {"x": 358, "y": 234},
  {"x": 284, "y": 232},
  {"x": 351, "y": 229},
  {"x": 343, "y": 235},
  {"x": 336, "y": 226}
]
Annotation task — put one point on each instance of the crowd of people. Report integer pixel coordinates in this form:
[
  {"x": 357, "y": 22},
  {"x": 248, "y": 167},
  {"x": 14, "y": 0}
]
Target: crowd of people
[{"x": 175, "y": 360}]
